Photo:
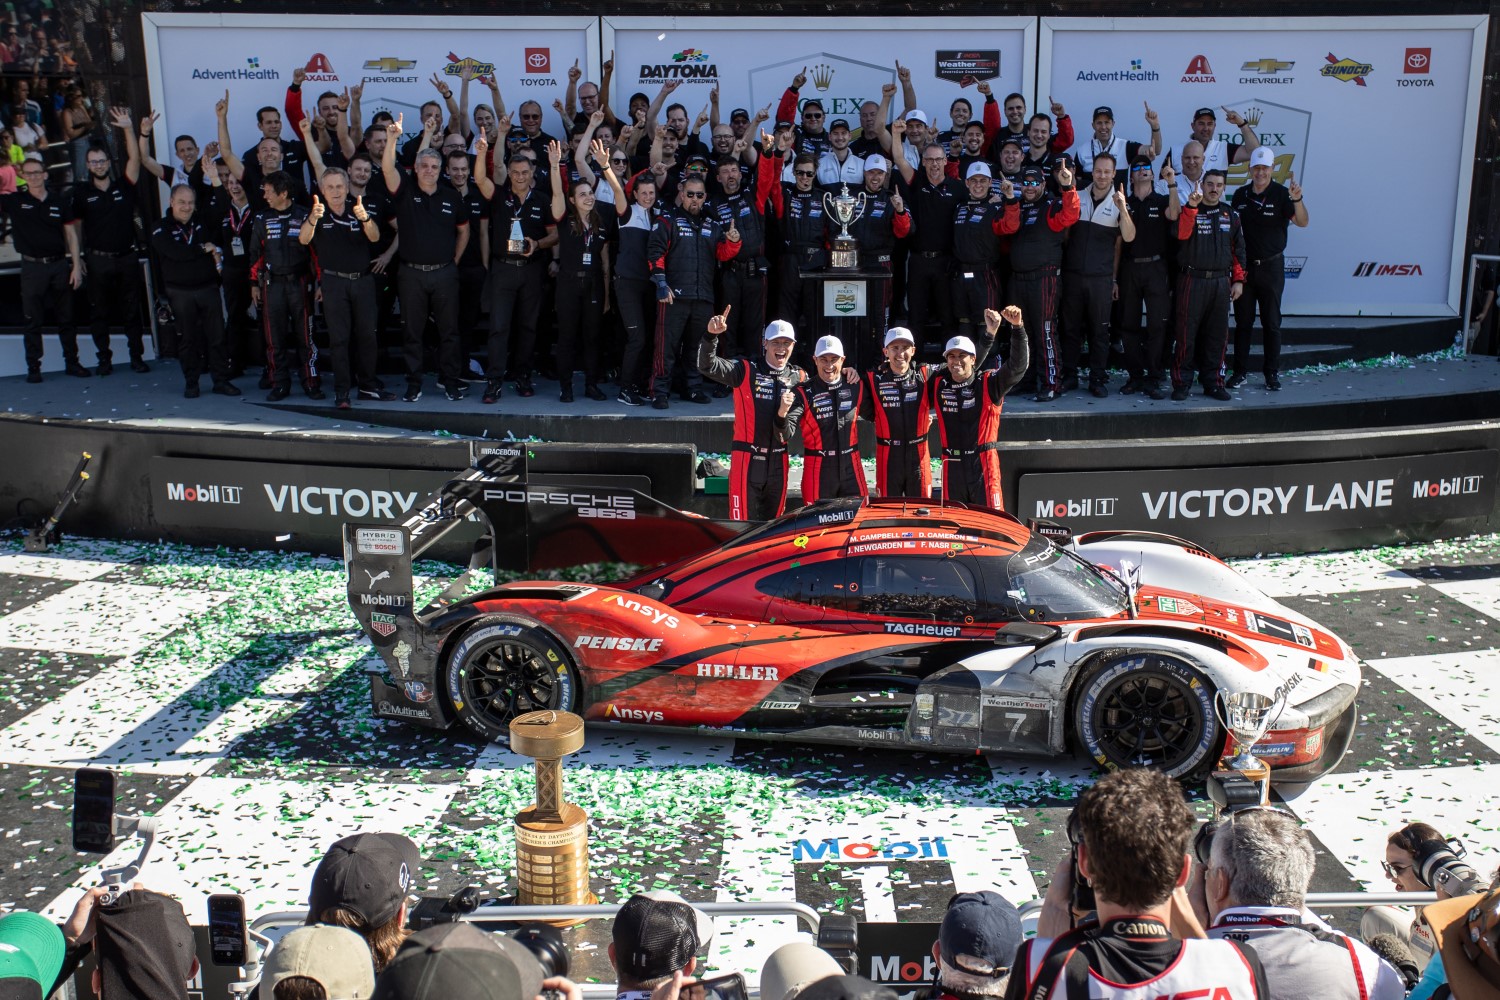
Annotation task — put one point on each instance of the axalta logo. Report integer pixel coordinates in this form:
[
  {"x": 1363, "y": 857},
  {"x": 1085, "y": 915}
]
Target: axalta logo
[
  {"x": 1346, "y": 70},
  {"x": 1423, "y": 489},
  {"x": 657, "y": 615},
  {"x": 602, "y": 506},
  {"x": 1198, "y": 71},
  {"x": 843, "y": 849},
  {"x": 250, "y": 71},
  {"x": 1083, "y": 507},
  {"x": 198, "y": 493},
  {"x": 457, "y": 65},
  {"x": 336, "y": 501},
  {"x": 633, "y": 714},
  {"x": 318, "y": 68},
  {"x": 737, "y": 672},
  {"x": 624, "y": 644},
  {"x": 1374, "y": 269},
  {"x": 689, "y": 64}
]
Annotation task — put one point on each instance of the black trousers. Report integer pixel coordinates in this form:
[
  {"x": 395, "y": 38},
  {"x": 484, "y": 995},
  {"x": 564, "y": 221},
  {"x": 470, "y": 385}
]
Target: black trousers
[
  {"x": 929, "y": 295},
  {"x": 472, "y": 279},
  {"x": 247, "y": 345},
  {"x": 1264, "y": 284},
  {"x": 286, "y": 322},
  {"x": 114, "y": 285},
  {"x": 976, "y": 288},
  {"x": 684, "y": 315},
  {"x": 1086, "y": 301},
  {"x": 43, "y": 285},
  {"x": 431, "y": 294},
  {"x": 1035, "y": 294},
  {"x": 742, "y": 286},
  {"x": 635, "y": 300},
  {"x": 200, "y": 333},
  {"x": 515, "y": 303},
  {"x": 1202, "y": 322},
  {"x": 349, "y": 311},
  {"x": 580, "y": 314},
  {"x": 1144, "y": 285},
  {"x": 757, "y": 484}
]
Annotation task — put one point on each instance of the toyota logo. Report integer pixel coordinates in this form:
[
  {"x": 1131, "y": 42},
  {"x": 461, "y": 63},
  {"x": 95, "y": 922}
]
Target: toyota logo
[
  {"x": 1417, "y": 60},
  {"x": 536, "y": 59}
]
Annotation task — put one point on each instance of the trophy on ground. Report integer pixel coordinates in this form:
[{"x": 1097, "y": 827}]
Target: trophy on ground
[
  {"x": 1247, "y": 715},
  {"x": 845, "y": 209},
  {"x": 552, "y": 836}
]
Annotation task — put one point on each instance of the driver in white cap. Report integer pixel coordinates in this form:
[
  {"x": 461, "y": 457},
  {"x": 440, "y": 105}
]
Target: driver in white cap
[
  {"x": 896, "y": 403},
  {"x": 885, "y": 220},
  {"x": 976, "y": 251},
  {"x": 825, "y": 413},
  {"x": 967, "y": 406},
  {"x": 762, "y": 395}
]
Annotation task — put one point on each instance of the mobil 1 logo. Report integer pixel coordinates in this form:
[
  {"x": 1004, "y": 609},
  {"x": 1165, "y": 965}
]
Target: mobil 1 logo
[{"x": 874, "y": 878}]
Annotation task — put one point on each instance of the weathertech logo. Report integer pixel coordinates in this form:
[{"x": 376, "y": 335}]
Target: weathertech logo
[
  {"x": 1198, "y": 71},
  {"x": 1087, "y": 507},
  {"x": 198, "y": 493},
  {"x": 1423, "y": 489},
  {"x": 538, "y": 60},
  {"x": 1346, "y": 70},
  {"x": 1373, "y": 269}
]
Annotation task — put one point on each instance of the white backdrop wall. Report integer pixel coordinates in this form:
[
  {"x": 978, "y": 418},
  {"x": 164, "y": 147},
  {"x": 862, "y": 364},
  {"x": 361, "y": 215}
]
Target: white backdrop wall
[{"x": 1375, "y": 116}]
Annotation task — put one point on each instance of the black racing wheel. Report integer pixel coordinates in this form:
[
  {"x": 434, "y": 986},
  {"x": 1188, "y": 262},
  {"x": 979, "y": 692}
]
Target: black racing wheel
[
  {"x": 1147, "y": 710},
  {"x": 500, "y": 669}
]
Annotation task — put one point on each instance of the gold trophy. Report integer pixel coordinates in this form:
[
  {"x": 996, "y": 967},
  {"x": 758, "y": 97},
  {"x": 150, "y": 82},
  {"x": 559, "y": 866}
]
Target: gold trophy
[{"x": 552, "y": 837}]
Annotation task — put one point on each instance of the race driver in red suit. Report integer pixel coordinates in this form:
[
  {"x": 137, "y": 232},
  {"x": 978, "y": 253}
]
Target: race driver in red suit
[
  {"x": 966, "y": 404},
  {"x": 825, "y": 413},
  {"x": 758, "y": 457}
]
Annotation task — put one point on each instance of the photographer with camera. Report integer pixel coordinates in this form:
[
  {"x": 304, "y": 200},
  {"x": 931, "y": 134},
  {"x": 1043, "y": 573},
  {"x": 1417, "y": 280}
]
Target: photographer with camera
[
  {"x": 1134, "y": 829},
  {"x": 362, "y": 884},
  {"x": 458, "y": 961},
  {"x": 142, "y": 945},
  {"x": 1417, "y": 859},
  {"x": 656, "y": 934},
  {"x": 1258, "y": 866}
]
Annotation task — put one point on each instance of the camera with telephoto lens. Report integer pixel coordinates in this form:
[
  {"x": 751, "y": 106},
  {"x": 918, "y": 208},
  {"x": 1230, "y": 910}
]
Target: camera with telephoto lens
[
  {"x": 1439, "y": 865},
  {"x": 1231, "y": 792},
  {"x": 1082, "y": 893}
]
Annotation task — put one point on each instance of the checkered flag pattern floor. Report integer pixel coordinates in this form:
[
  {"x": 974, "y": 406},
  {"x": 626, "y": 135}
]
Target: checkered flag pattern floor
[{"x": 227, "y": 689}]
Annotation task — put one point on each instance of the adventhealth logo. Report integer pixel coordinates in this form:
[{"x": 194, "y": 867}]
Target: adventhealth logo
[{"x": 250, "y": 71}]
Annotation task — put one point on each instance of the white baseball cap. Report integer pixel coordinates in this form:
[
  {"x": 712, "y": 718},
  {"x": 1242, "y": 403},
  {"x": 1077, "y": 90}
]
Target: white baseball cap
[
  {"x": 960, "y": 344},
  {"x": 896, "y": 333},
  {"x": 916, "y": 116},
  {"x": 1261, "y": 156},
  {"x": 828, "y": 345},
  {"x": 978, "y": 170},
  {"x": 876, "y": 162},
  {"x": 779, "y": 328}
]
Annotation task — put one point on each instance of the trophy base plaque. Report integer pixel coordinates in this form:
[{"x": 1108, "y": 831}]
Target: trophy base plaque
[
  {"x": 844, "y": 256},
  {"x": 552, "y": 860}
]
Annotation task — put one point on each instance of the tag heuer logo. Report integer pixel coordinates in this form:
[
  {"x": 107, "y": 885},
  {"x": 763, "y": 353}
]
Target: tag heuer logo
[{"x": 382, "y": 623}]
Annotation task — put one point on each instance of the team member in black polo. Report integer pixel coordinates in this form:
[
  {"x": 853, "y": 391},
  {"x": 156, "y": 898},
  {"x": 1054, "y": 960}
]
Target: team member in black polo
[
  {"x": 742, "y": 281},
  {"x": 106, "y": 210},
  {"x": 434, "y": 226},
  {"x": 520, "y": 225},
  {"x": 189, "y": 263},
  {"x": 342, "y": 235},
  {"x": 1089, "y": 261},
  {"x": 473, "y": 268},
  {"x": 47, "y": 240},
  {"x": 1265, "y": 207},
  {"x": 1211, "y": 252},
  {"x": 1143, "y": 278},
  {"x": 230, "y": 217},
  {"x": 933, "y": 198},
  {"x": 282, "y": 289}
]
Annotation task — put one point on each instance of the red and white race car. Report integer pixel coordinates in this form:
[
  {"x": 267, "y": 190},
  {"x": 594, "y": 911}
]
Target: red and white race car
[{"x": 881, "y": 622}]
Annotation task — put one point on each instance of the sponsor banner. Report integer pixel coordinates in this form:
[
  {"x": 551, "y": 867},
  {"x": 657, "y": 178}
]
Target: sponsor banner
[
  {"x": 898, "y": 955},
  {"x": 847, "y": 60},
  {"x": 1309, "y": 88},
  {"x": 289, "y": 499},
  {"x": 193, "y": 58},
  {"x": 1204, "y": 504}
]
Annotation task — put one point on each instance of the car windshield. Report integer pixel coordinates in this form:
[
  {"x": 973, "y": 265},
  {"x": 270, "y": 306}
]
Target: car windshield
[{"x": 1054, "y": 584}]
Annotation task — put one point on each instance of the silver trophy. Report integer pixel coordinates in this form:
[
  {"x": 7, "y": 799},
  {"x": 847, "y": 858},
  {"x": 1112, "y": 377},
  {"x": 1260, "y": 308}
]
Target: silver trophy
[
  {"x": 845, "y": 209},
  {"x": 1247, "y": 716}
]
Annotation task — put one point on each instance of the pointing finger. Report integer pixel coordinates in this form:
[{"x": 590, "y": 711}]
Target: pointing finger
[{"x": 725, "y": 313}]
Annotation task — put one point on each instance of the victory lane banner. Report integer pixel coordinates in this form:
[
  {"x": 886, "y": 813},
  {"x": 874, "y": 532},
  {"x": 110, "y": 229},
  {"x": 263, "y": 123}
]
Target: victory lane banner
[{"x": 1277, "y": 500}]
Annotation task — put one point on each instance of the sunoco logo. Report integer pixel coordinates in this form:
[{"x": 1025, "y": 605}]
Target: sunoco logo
[
  {"x": 198, "y": 493},
  {"x": 1087, "y": 507},
  {"x": 1423, "y": 489},
  {"x": 1346, "y": 70}
]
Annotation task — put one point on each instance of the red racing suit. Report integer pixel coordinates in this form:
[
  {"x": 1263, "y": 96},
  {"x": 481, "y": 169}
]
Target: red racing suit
[
  {"x": 897, "y": 405},
  {"x": 827, "y": 417},
  {"x": 968, "y": 420},
  {"x": 758, "y": 456}
]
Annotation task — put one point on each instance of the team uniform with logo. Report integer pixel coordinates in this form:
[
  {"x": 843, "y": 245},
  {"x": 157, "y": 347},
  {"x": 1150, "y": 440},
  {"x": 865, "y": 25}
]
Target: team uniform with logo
[
  {"x": 1143, "y": 281},
  {"x": 1037, "y": 229},
  {"x": 804, "y": 232},
  {"x": 282, "y": 269},
  {"x": 114, "y": 275},
  {"x": 976, "y": 256},
  {"x": 929, "y": 281},
  {"x": 634, "y": 297},
  {"x": 192, "y": 283},
  {"x": 968, "y": 420},
  {"x": 38, "y": 228},
  {"x": 1264, "y": 217},
  {"x": 742, "y": 281},
  {"x": 898, "y": 407},
  {"x": 685, "y": 251},
  {"x": 343, "y": 255},
  {"x": 877, "y": 231},
  {"x": 1123, "y": 150},
  {"x": 515, "y": 291},
  {"x": 827, "y": 418},
  {"x": 758, "y": 457},
  {"x": 1305, "y": 960},
  {"x": 1088, "y": 284},
  {"x": 1211, "y": 254}
]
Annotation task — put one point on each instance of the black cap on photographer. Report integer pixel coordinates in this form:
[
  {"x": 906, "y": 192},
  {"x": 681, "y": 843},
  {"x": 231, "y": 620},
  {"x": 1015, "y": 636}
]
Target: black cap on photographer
[
  {"x": 459, "y": 961},
  {"x": 657, "y": 933},
  {"x": 145, "y": 947}
]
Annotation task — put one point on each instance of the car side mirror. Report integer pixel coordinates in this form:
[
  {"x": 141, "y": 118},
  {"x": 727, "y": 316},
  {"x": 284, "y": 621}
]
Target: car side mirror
[{"x": 1026, "y": 634}]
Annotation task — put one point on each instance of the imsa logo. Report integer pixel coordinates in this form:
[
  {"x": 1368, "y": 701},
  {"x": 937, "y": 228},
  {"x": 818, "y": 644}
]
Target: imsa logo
[{"x": 1375, "y": 269}]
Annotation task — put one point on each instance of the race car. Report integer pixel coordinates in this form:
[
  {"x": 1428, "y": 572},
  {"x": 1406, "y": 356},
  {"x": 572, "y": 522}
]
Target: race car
[{"x": 885, "y": 622}]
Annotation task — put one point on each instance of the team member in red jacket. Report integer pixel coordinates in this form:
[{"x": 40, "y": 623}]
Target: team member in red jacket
[
  {"x": 762, "y": 396},
  {"x": 896, "y": 403},
  {"x": 825, "y": 411},
  {"x": 1039, "y": 223},
  {"x": 966, "y": 403},
  {"x": 1212, "y": 255}
]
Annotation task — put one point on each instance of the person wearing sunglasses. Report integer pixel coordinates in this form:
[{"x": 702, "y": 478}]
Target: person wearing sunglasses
[
  {"x": 799, "y": 206},
  {"x": 812, "y": 136},
  {"x": 1408, "y": 851},
  {"x": 742, "y": 281},
  {"x": 1255, "y": 883},
  {"x": 1037, "y": 224},
  {"x": 1143, "y": 279}
]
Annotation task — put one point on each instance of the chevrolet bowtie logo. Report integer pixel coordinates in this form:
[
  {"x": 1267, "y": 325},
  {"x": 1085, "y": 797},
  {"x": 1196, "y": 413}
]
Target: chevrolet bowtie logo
[
  {"x": 1266, "y": 66},
  {"x": 389, "y": 64}
]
